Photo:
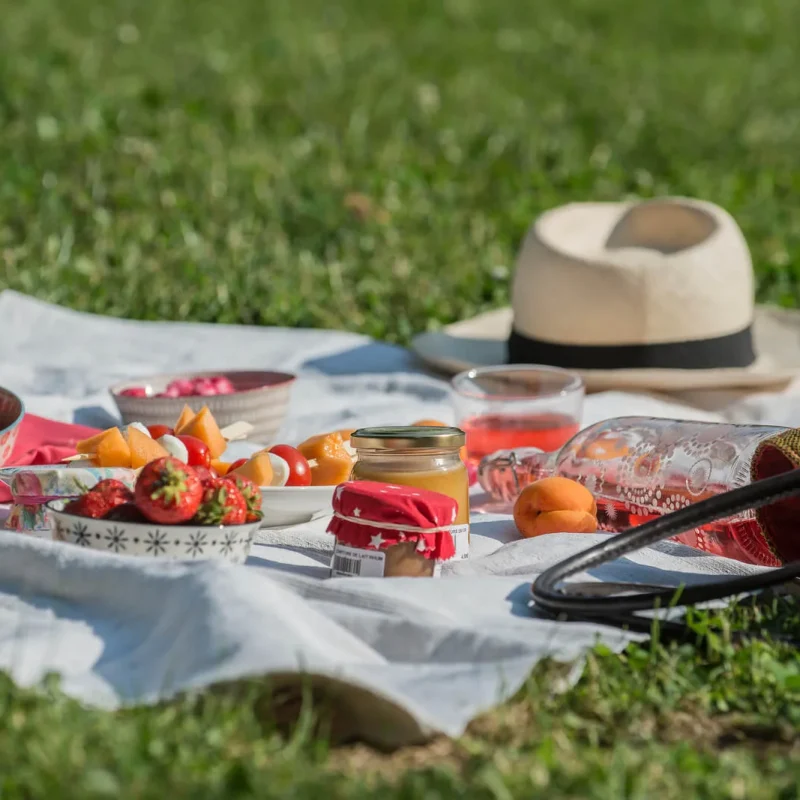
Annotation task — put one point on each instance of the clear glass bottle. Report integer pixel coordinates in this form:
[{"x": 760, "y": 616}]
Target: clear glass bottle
[
  {"x": 639, "y": 468},
  {"x": 424, "y": 457}
]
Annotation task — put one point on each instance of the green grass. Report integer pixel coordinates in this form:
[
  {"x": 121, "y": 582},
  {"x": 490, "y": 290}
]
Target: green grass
[
  {"x": 373, "y": 166},
  {"x": 192, "y": 160}
]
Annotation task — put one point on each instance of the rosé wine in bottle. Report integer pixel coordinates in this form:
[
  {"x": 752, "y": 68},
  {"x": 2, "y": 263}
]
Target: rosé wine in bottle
[{"x": 639, "y": 468}]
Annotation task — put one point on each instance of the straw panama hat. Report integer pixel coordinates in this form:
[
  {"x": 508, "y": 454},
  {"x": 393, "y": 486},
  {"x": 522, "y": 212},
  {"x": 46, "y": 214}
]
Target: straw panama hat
[{"x": 653, "y": 295}]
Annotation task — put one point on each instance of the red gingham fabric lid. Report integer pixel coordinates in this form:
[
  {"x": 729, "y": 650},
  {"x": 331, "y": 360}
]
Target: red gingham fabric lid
[{"x": 372, "y": 516}]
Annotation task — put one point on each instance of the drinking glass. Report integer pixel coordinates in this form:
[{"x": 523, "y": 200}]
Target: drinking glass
[{"x": 525, "y": 405}]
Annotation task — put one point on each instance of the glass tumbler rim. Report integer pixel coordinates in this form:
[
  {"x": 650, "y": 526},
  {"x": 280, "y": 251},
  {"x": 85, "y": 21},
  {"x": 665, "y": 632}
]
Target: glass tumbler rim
[{"x": 573, "y": 382}]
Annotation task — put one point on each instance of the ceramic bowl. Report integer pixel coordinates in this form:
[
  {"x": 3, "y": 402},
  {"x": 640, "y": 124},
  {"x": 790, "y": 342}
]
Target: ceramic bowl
[
  {"x": 293, "y": 505},
  {"x": 167, "y": 542},
  {"x": 12, "y": 411},
  {"x": 261, "y": 398}
]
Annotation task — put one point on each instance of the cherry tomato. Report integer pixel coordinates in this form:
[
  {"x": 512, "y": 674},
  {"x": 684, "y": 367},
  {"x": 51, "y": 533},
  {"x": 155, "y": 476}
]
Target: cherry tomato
[
  {"x": 199, "y": 456},
  {"x": 240, "y": 462},
  {"x": 157, "y": 431},
  {"x": 299, "y": 471}
]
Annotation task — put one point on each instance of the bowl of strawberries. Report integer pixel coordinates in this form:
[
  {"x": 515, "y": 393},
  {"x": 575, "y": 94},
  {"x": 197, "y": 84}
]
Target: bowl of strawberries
[{"x": 174, "y": 512}]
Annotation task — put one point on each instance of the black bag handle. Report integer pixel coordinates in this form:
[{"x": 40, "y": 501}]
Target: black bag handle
[{"x": 553, "y": 595}]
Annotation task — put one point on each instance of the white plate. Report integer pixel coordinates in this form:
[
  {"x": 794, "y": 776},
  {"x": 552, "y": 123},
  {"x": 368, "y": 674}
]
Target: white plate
[
  {"x": 284, "y": 505},
  {"x": 294, "y": 505}
]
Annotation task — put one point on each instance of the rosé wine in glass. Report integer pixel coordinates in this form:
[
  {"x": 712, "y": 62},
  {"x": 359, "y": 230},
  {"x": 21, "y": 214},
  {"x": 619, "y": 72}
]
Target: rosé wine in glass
[
  {"x": 488, "y": 433},
  {"x": 509, "y": 407}
]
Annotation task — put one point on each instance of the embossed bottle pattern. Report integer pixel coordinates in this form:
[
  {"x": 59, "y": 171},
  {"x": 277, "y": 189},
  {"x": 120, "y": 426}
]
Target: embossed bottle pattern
[{"x": 640, "y": 468}]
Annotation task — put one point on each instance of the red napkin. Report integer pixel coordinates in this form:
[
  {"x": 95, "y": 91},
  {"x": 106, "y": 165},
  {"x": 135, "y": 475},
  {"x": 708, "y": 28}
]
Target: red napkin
[{"x": 43, "y": 441}]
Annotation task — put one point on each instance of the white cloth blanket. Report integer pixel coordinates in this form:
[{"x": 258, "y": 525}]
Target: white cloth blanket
[{"x": 401, "y": 659}]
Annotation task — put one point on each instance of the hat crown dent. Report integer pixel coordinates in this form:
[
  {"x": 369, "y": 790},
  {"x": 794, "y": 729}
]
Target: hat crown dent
[
  {"x": 664, "y": 226},
  {"x": 658, "y": 271}
]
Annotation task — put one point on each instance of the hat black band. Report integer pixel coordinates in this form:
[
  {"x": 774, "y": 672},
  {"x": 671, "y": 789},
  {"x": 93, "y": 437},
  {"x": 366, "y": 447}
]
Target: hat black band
[{"x": 732, "y": 350}]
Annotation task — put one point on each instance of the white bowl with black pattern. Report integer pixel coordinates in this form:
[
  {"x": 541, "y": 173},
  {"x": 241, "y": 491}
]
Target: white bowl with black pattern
[{"x": 170, "y": 542}]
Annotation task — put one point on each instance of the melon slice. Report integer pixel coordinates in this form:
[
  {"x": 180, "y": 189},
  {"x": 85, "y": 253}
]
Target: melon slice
[
  {"x": 205, "y": 428},
  {"x": 346, "y": 433},
  {"x": 220, "y": 467},
  {"x": 89, "y": 446},
  {"x": 143, "y": 449},
  {"x": 258, "y": 469},
  {"x": 331, "y": 471},
  {"x": 112, "y": 450},
  {"x": 186, "y": 416},
  {"x": 324, "y": 445}
]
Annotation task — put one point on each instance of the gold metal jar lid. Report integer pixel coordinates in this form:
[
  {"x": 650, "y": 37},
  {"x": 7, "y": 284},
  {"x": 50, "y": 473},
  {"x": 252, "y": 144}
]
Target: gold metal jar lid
[{"x": 407, "y": 438}]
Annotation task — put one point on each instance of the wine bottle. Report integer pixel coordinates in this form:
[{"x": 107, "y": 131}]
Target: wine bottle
[{"x": 639, "y": 468}]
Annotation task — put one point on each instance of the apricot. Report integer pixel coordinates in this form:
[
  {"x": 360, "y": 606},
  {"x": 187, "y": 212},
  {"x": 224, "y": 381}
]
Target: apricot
[{"x": 555, "y": 505}]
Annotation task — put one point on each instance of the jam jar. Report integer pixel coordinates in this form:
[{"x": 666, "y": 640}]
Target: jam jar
[{"x": 425, "y": 457}]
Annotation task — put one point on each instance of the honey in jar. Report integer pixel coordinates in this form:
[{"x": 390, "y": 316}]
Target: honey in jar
[{"x": 425, "y": 457}]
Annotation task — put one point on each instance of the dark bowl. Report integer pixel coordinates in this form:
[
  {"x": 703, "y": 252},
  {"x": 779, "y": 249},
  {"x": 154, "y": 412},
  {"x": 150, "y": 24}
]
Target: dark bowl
[{"x": 12, "y": 410}]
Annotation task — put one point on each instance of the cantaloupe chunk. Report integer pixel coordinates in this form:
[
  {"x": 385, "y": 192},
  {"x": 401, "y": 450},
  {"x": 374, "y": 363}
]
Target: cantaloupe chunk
[
  {"x": 143, "y": 449},
  {"x": 324, "y": 445},
  {"x": 220, "y": 467},
  {"x": 112, "y": 450},
  {"x": 205, "y": 428},
  {"x": 186, "y": 416},
  {"x": 89, "y": 446},
  {"x": 258, "y": 469},
  {"x": 331, "y": 471}
]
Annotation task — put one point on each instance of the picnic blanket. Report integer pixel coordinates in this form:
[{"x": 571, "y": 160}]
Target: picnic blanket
[{"x": 400, "y": 659}]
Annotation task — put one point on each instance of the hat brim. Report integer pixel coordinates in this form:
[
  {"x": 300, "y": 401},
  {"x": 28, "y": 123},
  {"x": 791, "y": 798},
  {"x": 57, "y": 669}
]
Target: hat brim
[{"x": 481, "y": 342}]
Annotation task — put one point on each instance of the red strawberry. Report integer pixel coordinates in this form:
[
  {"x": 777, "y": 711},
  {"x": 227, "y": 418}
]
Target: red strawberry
[
  {"x": 89, "y": 505},
  {"x": 251, "y": 494},
  {"x": 126, "y": 512},
  {"x": 222, "y": 504},
  {"x": 204, "y": 473},
  {"x": 112, "y": 489},
  {"x": 168, "y": 491}
]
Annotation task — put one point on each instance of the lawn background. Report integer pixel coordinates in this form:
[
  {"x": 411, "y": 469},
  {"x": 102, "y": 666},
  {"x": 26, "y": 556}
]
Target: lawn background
[{"x": 374, "y": 166}]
